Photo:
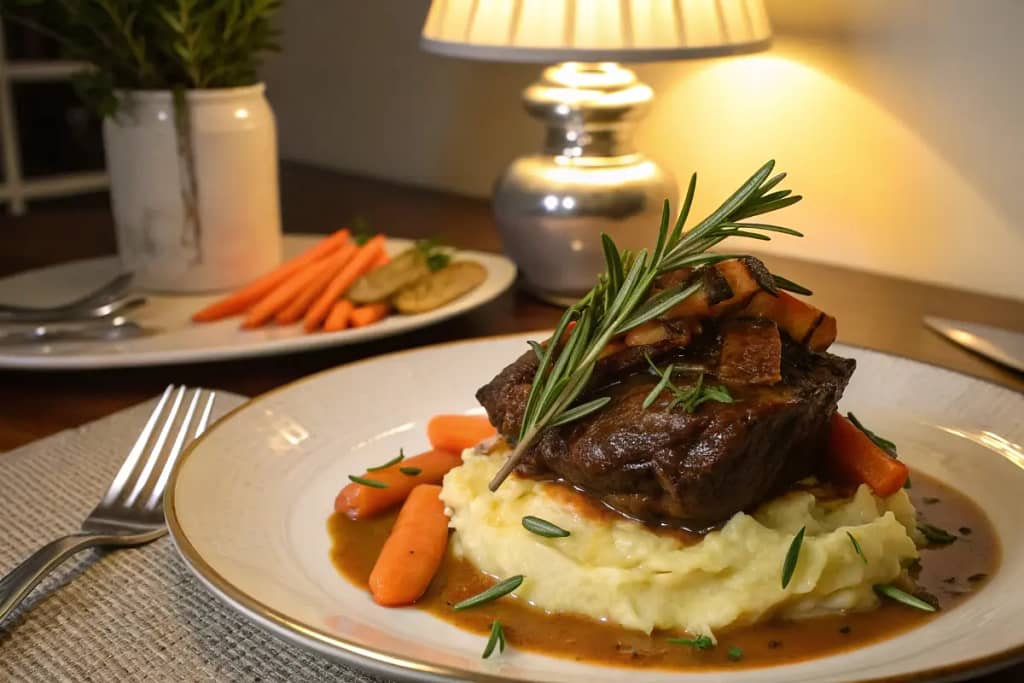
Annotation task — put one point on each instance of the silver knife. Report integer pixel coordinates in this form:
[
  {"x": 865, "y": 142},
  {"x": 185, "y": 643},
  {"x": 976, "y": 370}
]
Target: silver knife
[{"x": 1003, "y": 346}]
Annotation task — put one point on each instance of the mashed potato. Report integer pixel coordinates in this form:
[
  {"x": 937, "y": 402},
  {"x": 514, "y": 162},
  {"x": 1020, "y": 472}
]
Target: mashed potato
[{"x": 616, "y": 569}]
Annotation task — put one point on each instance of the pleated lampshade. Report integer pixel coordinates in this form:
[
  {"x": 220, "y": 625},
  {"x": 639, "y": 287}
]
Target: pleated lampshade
[{"x": 595, "y": 30}]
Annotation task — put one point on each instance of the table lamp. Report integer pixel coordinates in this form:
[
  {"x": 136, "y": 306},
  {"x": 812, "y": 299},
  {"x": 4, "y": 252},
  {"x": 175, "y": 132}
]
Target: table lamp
[{"x": 552, "y": 207}]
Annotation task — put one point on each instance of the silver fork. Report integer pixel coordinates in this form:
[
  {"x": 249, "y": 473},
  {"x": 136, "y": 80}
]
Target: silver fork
[
  {"x": 131, "y": 511},
  {"x": 108, "y": 299}
]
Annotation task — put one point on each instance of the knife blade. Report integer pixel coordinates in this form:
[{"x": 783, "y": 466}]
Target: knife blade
[
  {"x": 104, "y": 329},
  {"x": 1002, "y": 346}
]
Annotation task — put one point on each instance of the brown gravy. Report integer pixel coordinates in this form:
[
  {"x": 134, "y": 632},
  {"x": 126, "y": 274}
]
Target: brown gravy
[{"x": 948, "y": 573}]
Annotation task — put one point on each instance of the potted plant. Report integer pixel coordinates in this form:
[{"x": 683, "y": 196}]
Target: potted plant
[{"x": 189, "y": 136}]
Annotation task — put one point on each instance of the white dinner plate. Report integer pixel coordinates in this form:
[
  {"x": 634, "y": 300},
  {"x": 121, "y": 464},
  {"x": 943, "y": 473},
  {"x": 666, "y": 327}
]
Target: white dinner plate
[
  {"x": 250, "y": 500},
  {"x": 176, "y": 339}
]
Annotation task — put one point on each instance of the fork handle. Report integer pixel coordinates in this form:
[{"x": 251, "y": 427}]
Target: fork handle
[{"x": 16, "y": 586}]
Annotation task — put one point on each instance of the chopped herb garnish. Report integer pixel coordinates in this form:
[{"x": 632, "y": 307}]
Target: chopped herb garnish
[
  {"x": 735, "y": 654},
  {"x": 886, "y": 445},
  {"x": 792, "y": 556},
  {"x": 361, "y": 232},
  {"x": 934, "y": 534},
  {"x": 493, "y": 593},
  {"x": 965, "y": 531},
  {"x": 393, "y": 461},
  {"x": 975, "y": 578},
  {"x": 543, "y": 527},
  {"x": 410, "y": 471},
  {"x": 497, "y": 639},
  {"x": 701, "y": 642},
  {"x": 436, "y": 255},
  {"x": 929, "y": 500},
  {"x": 690, "y": 398},
  {"x": 856, "y": 546},
  {"x": 894, "y": 593},
  {"x": 368, "y": 482}
]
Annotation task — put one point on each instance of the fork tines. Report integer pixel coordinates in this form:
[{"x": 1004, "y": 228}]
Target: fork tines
[{"x": 141, "y": 481}]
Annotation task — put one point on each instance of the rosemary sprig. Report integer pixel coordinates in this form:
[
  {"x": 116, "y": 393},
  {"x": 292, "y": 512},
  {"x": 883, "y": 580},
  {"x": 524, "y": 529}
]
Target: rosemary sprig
[
  {"x": 856, "y": 547},
  {"x": 410, "y": 471},
  {"x": 393, "y": 461},
  {"x": 701, "y": 642},
  {"x": 620, "y": 301},
  {"x": 894, "y": 593},
  {"x": 690, "y": 398},
  {"x": 792, "y": 557},
  {"x": 493, "y": 593},
  {"x": 497, "y": 639},
  {"x": 543, "y": 527}
]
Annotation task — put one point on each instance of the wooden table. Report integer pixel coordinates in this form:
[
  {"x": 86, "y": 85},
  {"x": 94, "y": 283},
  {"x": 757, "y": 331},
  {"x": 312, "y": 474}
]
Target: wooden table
[{"x": 875, "y": 311}]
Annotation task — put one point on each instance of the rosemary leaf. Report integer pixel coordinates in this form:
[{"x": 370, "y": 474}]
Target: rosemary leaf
[
  {"x": 393, "y": 461},
  {"x": 538, "y": 350},
  {"x": 666, "y": 379},
  {"x": 886, "y": 445},
  {"x": 790, "y": 286},
  {"x": 410, "y": 471},
  {"x": 543, "y": 527},
  {"x": 792, "y": 557},
  {"x": 894, "y": 593},
  {"x": 493, "y": 593},
  {"x": 701, "y": 642},
  {"x": 934, "y": 534},
  {"x": 856, "y": 546},
  {"x": 372, "y": 483},
  {"x": 579, "y": 411},
  {"x": 497, "y": 639}
]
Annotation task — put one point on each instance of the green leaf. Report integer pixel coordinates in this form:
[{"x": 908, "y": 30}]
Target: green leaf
[
  {"x": 894, "y": 593},
  {"x": 666, "y": 378},
  {"x": 372, "y": 483},
  {"x": 493, "y": 593},
  {"x": 538, "y": 350},
  {"x": 659, "y": 248},
  {"x": 684, "y": 213},
  {"x": 393, "y": 461},
  {"x": 580, "y": 411},
  {"x": 857, "y": 548},
  {"x": 613, "y": 260},
  {"x": 701, "y": 642},
  {"x": 497, "y": 639},
  {"x": 886, "y": 445},
  {"x": 735, "y": 654},
  {"x": 934, "y": 534},
  {"x": 543, "y": 527},
  {"x": 792, "y": 557},
  {"x": 410, "y": 471},
  {"x": 790, "y": 286}
]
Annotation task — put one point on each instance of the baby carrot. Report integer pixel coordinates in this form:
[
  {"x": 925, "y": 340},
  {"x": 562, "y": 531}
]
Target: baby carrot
[
  {"x": 301, "y": 303},
  {"x": 339, "y": 317},
  {"x": 240, "y": 300},
  {"x": 382, "y": 260},
  {"x": 853, "y": 458},
  {"x": 456, "y": 433},
  {"x": 360, "y": 263},
  {"x": 414, "y": 550},
  {"x": 283, "y": 294},
  {"x": 392, "y": 485},
  {"x": 369, "y": 314}
]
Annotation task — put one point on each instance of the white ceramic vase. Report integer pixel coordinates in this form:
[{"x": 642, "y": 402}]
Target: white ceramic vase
[{"x": 195, "y": 198}]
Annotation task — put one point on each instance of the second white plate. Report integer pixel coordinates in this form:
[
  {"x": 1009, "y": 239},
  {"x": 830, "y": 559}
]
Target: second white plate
[{"x": 176, "y": 339}]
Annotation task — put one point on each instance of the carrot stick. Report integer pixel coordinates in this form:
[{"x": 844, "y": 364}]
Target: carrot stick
[
  {"x": 414, "y": 550},
  {"x": 301, "y": 303},
  {"x": 382, "y": 260},
  {"x": 369, "y": 314},
  {"x": 363, "y": 259},
  {"x": 359, "y": 501},
  {"x": 283, "y": 294},
  {"x": 239, "y": 301},
  {"x": 456, "y": 433},
  {"x": 853, "y": 458},
  {"x": 339, "y": 317}
]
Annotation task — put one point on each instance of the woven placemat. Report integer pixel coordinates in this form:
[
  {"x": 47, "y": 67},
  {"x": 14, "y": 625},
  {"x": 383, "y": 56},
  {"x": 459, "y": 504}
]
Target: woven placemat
[{"x": 126, "y": 615}]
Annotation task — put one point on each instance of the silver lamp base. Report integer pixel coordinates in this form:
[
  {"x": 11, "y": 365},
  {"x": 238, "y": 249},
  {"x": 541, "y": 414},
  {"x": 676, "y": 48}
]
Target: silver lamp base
[{"x": 551, "y": 208}]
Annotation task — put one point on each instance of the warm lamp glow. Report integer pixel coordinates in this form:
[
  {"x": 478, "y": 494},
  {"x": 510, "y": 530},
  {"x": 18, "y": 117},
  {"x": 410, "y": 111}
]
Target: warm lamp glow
[{"x": 595, "y": 30}]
